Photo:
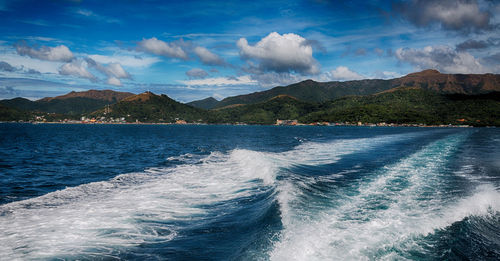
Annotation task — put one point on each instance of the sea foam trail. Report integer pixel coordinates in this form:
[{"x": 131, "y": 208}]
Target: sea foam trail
[
  {"x": 96, "y": 218},
  {"x": 401, "y": 203},
  {"x": 131, "y": 209}
]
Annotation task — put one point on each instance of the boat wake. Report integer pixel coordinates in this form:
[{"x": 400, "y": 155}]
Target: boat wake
[{"x": 355, "y": 212}]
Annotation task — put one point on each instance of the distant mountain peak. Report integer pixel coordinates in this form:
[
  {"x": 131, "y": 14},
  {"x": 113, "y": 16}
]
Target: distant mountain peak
[
  {"x": 207, "y": 103},
  {"x": 450, "y": 83},
  {"x": 105, "y": 95},
  {"x": 424, "y": 73},
  {"x": 140, "y": 97}
]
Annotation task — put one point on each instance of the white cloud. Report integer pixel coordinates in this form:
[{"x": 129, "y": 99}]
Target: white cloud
[
  {"x": 387, "y": 75},
  {"x": 59, "y": 53},
  {"x": 281, "y": 53},
  {"x": 273, "y": 79},
  {"x": 208, "y": 57},
  {"x": 196, "y": 73},
  {"x": 114, "y": 81},
  {"x": 30, "y": 63},
  {"x": 219, "y": 81},
  {"x": 343, "y": 73},
  {"x": 125, "y": 60},
  {"x": 162, "y": 48},
  {"x": 460, "y": 15},
  {"x": 114, "y": 71},
  {"x": 78, "y": 69},
  {"x": 442, "y": 58}
]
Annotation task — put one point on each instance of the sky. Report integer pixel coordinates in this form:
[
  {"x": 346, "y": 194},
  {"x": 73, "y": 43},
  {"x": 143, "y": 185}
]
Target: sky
[{"x": 191, "y": 50}]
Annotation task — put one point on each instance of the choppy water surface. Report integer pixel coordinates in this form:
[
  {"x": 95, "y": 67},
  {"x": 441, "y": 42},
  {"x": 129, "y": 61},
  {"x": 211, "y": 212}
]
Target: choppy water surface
[{"x": 248, "y": 193}]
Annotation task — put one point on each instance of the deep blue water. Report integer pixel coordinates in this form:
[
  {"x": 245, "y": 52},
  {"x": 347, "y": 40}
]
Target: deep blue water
[{"x": 146, "y": 192}]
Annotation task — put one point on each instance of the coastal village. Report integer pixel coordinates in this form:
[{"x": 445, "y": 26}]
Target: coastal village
[{"x": 279, "y": 122}]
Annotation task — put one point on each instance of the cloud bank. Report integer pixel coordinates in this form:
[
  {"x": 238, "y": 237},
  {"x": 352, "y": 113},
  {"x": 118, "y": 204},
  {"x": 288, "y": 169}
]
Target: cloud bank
[
  {"x": 457, "y": 15},
  {"x": 442, "y": 58}
]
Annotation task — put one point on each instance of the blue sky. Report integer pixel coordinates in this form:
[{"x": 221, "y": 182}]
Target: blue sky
[{"x": 195, "y": 49}]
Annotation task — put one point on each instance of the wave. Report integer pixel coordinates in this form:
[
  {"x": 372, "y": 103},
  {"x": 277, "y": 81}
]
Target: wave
[
  {"x": 129, "y": 209},
  {"x": 388, "y": 210},
  {"x": 157, "y": 205}
]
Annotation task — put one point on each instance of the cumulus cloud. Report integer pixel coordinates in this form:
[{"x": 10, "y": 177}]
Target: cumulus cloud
[
  {"x": 343, "y": 73},
  {"x": 78, "y": 69},
  {"x": 281, "y": 53},
  {"x": 114, "y": 71},
  {"x": 458, "y": 15},
  {"x": 162, "y": 48},
  {"x": 59, "y": 53},
  {"x": 442, "y": 58},
  {"x": 196, "y": 73},
  {"x": 207, "y": 57},
  {"x": 114, "y": 81},
  {"x": 6, "y": 67},
  {"x": 111, "y": 70}
]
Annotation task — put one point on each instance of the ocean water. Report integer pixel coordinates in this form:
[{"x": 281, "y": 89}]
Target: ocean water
[{"x": 146, "y": 192}]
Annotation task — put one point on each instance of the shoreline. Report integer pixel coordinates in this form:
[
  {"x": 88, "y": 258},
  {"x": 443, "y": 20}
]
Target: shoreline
[{"x": 244, "y": 124}]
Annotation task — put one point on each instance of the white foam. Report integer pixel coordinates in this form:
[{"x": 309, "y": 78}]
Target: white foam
[
  {"x": 400, "y": 203},
  {"x": 143, "y": 207},
  {"x": 317, "y": 153},
  {"x": 130, "y": 209}
]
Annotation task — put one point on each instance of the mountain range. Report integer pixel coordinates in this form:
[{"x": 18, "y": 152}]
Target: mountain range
[
  {"x": 71, "y": 103},
  {"x": 426, "y": 97},
  {"x": 312, "y": 91}
]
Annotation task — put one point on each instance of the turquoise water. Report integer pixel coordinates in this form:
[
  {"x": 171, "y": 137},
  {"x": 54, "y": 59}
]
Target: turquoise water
[{"x": 149, "y": 192}]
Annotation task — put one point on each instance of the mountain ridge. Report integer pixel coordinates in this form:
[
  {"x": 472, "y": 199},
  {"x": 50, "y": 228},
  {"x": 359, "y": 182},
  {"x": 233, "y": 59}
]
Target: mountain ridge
[
  {"x": 312, "y": 91},
  {"x": 70, "y": 103},
  {"x": 106, "y": 95}
]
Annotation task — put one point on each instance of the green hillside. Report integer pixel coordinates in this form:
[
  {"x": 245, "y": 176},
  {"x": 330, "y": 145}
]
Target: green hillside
[
  {"x": 149, "y": 107},
  {"x": 207, "y": 103},
  {"x": 73, "y": 103},
  {"x": 311, "y": 91},
  {"x": 432, "y": 80},
  {"x": 9, "y": 114},
  {"x": 410, "y": 105},
  {"x": 420, "y": 98},
  {"x": 398, "y": 106},
  {"x": 279, "y": 107}
]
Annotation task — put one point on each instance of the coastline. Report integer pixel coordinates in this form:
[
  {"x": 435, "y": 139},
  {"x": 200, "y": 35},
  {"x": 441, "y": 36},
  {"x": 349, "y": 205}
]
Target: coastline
[{"x": 324, "y": 124}]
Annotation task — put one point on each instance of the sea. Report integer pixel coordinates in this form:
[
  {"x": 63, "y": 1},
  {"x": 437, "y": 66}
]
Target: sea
[{"x": 216, "y": 192}]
